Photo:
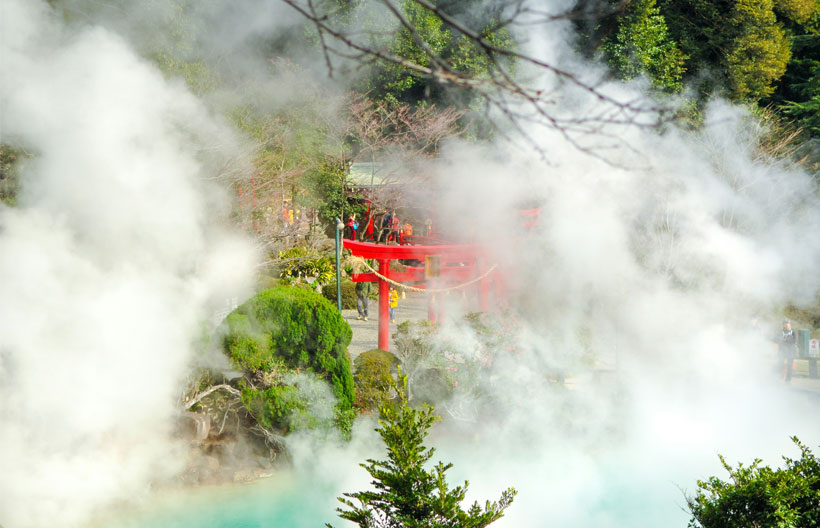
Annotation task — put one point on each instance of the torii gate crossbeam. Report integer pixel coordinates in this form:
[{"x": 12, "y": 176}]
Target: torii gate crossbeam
[{"x": 383, "y": 254}]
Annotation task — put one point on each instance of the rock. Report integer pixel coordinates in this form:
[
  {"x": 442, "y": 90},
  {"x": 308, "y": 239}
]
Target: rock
[{"x": 196, "y": 426}]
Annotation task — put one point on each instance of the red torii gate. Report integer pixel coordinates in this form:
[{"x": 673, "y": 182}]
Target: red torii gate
[{"x": 458, "y": 262}]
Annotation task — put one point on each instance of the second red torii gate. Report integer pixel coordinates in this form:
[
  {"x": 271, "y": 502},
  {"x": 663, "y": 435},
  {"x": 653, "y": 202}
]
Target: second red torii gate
[{"x": 470, "y": 260}]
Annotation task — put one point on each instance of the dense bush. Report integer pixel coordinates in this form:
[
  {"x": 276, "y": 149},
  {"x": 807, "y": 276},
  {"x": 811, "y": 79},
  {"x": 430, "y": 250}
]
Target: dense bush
[
  {"x": 348, "y": 294},
  {"x": 285, "y": 329},
  {"x": 377, "y": 354},
  {"x": 433, "y": 385},
  {"x": 272, "y": 406},
  {"x": 373, "y": 376},
  {"x": 760, "y": 496},
  {"x": 293, "y": 401}
]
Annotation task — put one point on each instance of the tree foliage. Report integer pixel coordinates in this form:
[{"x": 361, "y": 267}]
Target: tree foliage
[
  {"x": 758, "y": 53},
  {"x": 798, "y": 95},
  {"x": 642, "y": 45},
  {"x": 738, "y": 45},
  {"x": 407, "y": 495},
  {"x": 761, "y": 497},
  {"x": 426, "y": 39}
]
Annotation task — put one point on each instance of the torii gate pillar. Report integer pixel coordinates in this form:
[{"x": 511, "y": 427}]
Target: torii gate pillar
[
  {"x": 384, "y": 316},
  {"x": 386, "y": 253},
  {"x": 484, "y": 289}
]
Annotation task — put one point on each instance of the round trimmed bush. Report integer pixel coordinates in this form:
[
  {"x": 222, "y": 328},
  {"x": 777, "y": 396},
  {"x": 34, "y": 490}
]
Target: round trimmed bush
[
  {"x": 292, "y": 328},
  {"x": 374, "y": 379},
  {"x": 377, "y": 354},
  {"x": 348, "y": 294}
]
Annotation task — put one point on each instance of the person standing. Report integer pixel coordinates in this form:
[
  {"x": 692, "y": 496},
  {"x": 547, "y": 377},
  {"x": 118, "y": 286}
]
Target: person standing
[
  {"x": 353, "y": 225},
  {"x": 406, "y": 231},
  {"x": 362, "y": 299},
  {"x": 395, "y": 228},
  {"x": 387, "y": 222},
  {"x": 393, "y": 302},
  {"x": 786, "y": 349}
]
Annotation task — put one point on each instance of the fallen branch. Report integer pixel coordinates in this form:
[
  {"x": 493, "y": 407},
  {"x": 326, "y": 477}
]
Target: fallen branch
[{"x": 211, "y": 390}]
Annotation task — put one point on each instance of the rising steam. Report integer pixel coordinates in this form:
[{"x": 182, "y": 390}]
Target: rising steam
[
  {"x": 663, "y": 259},
  {"x": 110, "y": 263}
]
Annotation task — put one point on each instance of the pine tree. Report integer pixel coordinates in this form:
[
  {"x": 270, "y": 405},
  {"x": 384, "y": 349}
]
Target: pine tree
[{"x": 406, "y": 495}]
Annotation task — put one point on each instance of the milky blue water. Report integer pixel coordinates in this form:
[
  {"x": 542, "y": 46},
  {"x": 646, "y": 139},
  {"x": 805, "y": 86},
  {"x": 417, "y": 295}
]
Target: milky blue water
[
  {"x": 287, "y": 501},
  {"x": 279, "y": 502}
]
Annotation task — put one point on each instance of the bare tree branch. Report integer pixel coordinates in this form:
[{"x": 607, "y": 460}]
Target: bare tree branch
[
  {"x": 322, "y": 39},
  {"x": 517, "y": 101},
  {"x": 196, "y": 399}
]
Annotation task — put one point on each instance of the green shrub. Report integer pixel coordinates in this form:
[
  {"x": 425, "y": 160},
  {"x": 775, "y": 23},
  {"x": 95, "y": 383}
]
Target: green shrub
[
  {"x": 272, "y": 407},
  {"x": 384, "y": 356},
  {"x": 433, "y": 385},
  {"x": 373, "y": 381},
  {"x": 417, "y": 348},
  {"x": 290, "y": 328},
  {"x": 348, "y": 294},
  {"x": 373, "y": 377},
  {"x": 760, "y": 496},
  {"x": 300, "y": 263}
]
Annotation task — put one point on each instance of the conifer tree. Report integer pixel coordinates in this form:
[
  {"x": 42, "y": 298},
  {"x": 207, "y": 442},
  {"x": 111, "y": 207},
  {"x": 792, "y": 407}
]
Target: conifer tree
[{"x": 405, "y": 494}]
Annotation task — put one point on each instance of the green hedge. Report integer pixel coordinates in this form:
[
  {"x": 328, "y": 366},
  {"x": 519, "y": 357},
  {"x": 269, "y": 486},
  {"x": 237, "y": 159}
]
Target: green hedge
[
  {"x": 348, "y": 294},
  {"x": 290, "y": 328}
]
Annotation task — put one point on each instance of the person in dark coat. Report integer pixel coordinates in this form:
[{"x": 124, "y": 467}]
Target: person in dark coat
[{"x": 387, "y": 223}]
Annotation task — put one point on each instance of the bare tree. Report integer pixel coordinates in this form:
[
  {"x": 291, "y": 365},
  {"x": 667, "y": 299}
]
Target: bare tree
[
  {"x": 507, "y": 86},
  {"x": 393, "y": 138}
]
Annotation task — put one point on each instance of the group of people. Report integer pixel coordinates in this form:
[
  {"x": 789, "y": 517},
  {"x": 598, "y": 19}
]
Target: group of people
[
  {"x": 392, "y": 229},
  {"x": 363, "y": 297}
]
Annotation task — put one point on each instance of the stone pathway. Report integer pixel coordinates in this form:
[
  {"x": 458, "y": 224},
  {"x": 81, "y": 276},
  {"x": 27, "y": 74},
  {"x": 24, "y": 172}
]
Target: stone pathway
[{"x": 366, "y": 333}]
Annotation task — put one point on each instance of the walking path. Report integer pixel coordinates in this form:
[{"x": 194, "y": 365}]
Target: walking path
[{"x": 366, "y": 333}]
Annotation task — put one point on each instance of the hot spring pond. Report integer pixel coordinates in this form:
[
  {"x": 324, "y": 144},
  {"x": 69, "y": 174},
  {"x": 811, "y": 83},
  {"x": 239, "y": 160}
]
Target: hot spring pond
[{"x": 278, "y": 502}]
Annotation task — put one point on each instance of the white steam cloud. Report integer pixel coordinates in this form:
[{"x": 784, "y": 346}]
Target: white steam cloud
[
  {"x": 666, "y": 269},
  {"x": 670, "y": 271},
  {"x": 110, "y": 262}
]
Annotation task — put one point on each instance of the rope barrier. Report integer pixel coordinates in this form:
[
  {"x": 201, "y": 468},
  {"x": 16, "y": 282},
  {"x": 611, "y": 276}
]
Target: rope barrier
[{"x": 358, "y": 262}]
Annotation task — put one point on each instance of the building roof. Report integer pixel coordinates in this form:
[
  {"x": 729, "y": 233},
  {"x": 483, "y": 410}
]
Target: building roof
[{"x": 371, "y": 174}]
